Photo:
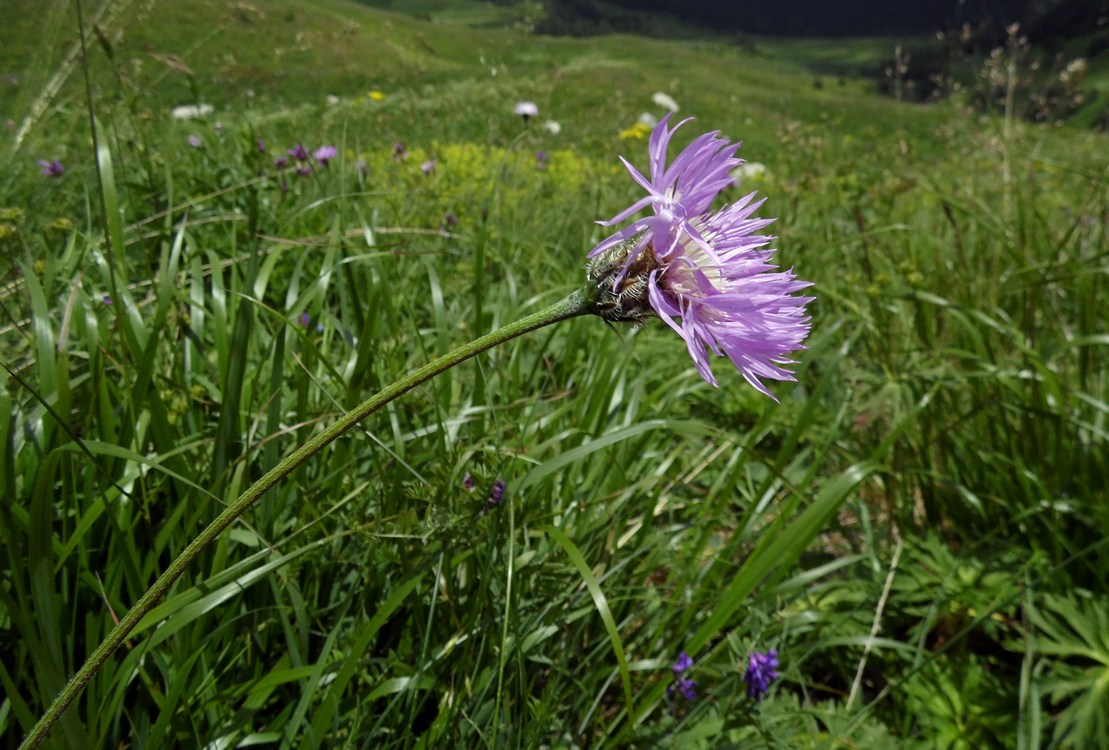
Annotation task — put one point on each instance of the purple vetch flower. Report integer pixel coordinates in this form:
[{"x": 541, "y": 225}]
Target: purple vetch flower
[
  {"x": 496, "y": 492},
  {"x": 761, "y": 671},
  {"x": 526, "y": 110},
  {"x": 428, "y": 166},
  {"x": 106, "y": 299},
  {"x": 304, "y": 170},
  {"x": 304, "y": 319},
  {"x": 194, "y": 140},
  {"x": 324, "y": 154},
  {"x": 299, "y": 152},
  {"x": 706, "y": 273},
  {"x": 681, "y": 684},
  {"x": 281, "y": 162},
  {"x": 468, "y": 482},
  {"x": 399, "y": 151},
  {"x": 51, "y": 168}
]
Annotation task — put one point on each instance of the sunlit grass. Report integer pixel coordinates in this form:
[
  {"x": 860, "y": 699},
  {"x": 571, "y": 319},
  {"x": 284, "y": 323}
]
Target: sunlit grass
[{"x": 950, "y": 414}]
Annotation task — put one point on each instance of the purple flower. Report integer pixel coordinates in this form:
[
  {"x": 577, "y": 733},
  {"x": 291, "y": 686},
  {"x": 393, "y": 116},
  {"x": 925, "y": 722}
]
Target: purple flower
[
  {"x": 261, "y": 146},
  {"x": 399, "y": 151},
  {"x": 541, "y": 159},
  {"x": 51, "y": 168},
  {"x": 706, "y": 273},
  {"x": 428, "y": 166},
  {"x": 761, "y": 671},
  {"x": 449, "y": 219},
  {"x": 468, "y": 482},
  {"x": 526, "y": 110},
  {"x": 496, "y": 492},
  {"x": 324, "y": 154},
  {"x": 304, "y": 319},
  {"x": 681, "y": 684},
  {"x": 106, "y": 299},
  {"x": 194, "y": 140},
  {"x": 281, "y": 162},
  {"x": 299, "y": 152},
  {"x": 304, "y": 170}
]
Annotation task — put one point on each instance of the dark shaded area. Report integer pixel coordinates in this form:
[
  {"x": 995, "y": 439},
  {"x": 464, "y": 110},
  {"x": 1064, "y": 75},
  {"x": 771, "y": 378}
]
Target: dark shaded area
[{"x": 812, "y": 17}]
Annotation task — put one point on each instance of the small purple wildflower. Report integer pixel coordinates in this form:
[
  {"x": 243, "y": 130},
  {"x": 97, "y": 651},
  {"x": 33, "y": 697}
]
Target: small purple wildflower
[
  {"x": 106, "y": 299},
  {"x": 304, "y": 170},
  {"x": 194, "y": 140},
  {"x": 51, "y": 168},
  {"x": 299, "y": 152},
  {"x": 449, "y": 219},
  {"x": 399, "y": 152},
  {"x": 468, "y": 482},
  {"x": 324, "y": 154},
  {"x": 761, "y": 671},
  {"x": 281, "y": 162},
  {"x": 304, "y": 319},
  {"x": 496, "y": 492},
  {"x": 428, "y": 166},
  {"x": 541, "y": 159},
  {"x": 526, "y": 110},
  {"x": 261, "y": 146},
  {"x": 706, "y": 274},
  {"x": 683, "y": 685}
]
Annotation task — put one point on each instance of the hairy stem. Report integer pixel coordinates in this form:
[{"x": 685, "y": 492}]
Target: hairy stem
[{"x": 574, "y": 305}]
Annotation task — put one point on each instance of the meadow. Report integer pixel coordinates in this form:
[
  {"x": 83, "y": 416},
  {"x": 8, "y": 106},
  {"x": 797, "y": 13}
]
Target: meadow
[{"x": 918, "y": 526}]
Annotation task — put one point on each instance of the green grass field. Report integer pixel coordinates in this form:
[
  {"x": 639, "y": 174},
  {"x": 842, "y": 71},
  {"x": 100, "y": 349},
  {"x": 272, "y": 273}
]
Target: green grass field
[{"x": 920, "y": 527}]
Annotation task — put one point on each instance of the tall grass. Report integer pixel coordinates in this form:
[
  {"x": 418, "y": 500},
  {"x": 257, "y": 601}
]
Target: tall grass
[{"x": 919, "y": 523}]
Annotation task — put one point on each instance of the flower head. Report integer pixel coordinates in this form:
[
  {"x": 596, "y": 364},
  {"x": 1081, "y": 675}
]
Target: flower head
[
  {"x": 324, "y": 154},
  {"x": 761, "y": 671},
  {"x": 51, "y": 168},
  {"x": 194, "y": 140},
  {"x": 281, "y": 162},
  {"x": 428, "y": 166},
  {"x": 299, "y": 152},
  {"x": 304, "y": 170},
  {"x": 526, "y": 110},
  {"x": 706, "y": 273},
  {"x": 681, "y": 684},
  {"x": 496, "y": 492},
  {"x": 665, "y": 101},
  {"x": 399, "y": 151}
]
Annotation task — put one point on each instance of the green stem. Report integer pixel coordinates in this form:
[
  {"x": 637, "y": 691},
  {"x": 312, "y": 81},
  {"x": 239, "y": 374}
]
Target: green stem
[{"x": 574, "y": 305}]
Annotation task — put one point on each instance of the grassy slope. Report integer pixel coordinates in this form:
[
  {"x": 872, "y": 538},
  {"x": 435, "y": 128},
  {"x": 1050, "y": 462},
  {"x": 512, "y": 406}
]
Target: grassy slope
[{"x": 960, "y": 283}]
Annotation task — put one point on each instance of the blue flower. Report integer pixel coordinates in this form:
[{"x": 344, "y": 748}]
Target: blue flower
[
  {"x": 761, "y": 671},
  {"x": 681, "y": 684}
]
